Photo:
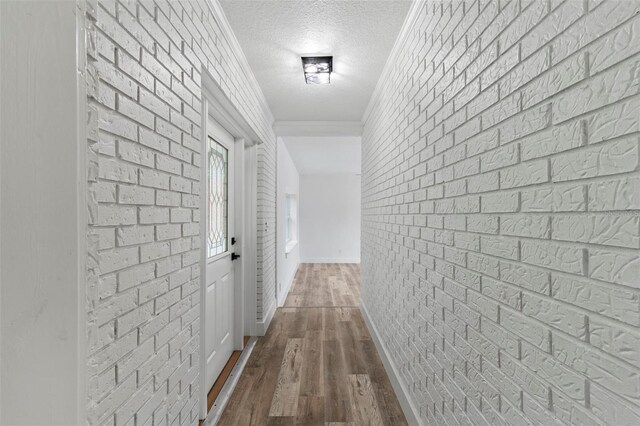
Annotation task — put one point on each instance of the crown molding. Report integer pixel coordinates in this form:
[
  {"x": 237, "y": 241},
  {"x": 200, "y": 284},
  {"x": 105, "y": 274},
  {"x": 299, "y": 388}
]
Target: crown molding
[
  {"x": 318, "y": 128},
  {"x": 237, "y": 51},
  {"x": 412, "y": 16}
]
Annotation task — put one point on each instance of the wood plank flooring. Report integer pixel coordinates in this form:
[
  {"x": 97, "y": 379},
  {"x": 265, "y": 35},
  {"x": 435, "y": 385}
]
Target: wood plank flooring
[
  {"x": 325, "y": 285},
  {"x": 317, "y": 365}
]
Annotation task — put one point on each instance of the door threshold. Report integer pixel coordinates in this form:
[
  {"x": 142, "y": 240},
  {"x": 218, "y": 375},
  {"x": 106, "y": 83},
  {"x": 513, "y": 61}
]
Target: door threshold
[{"x": 222, "y": 389}]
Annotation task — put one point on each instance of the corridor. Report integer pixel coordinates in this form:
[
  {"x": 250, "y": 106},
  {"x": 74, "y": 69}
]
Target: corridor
[
  {"x": 317, "y": 364},
  {"x": 331, "y": 212}
]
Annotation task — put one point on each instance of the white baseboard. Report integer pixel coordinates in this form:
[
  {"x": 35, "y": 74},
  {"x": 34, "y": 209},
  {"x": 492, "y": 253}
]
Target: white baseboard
[
  {"x": 263, "y": 326},
  {"x": 409, "y": 409},
  {"x": 287, "y": 287},
  {"x": 331, "y": 260}
]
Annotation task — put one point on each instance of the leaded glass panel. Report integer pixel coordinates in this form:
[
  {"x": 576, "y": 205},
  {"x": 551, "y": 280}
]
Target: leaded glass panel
[{"x": 218, "y": 199}]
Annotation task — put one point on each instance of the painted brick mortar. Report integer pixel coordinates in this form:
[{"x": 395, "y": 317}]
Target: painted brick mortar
[
  {"x": 144, "y": 62},
  {"x": 501, "y": 216}
]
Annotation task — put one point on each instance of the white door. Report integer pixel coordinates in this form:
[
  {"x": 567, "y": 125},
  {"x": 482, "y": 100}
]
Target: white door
[{"x": 219, "y": 193}]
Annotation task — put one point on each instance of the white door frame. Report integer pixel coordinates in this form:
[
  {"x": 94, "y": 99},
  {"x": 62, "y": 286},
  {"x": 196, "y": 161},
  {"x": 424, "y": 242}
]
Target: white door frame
[
  {"x": 251, "y": 241},
  {"x": 215, "y": 104}
]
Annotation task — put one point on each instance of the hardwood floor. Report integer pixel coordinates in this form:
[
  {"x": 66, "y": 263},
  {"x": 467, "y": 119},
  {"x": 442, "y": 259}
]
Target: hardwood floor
[
  {"x": 325, "y": 285},
  {"x": 317, "y": 365}
]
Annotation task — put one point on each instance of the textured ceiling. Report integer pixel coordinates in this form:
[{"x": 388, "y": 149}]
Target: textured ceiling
[
  {"x": 325, "y": 155},
  {"x": 274, "y": 34}
]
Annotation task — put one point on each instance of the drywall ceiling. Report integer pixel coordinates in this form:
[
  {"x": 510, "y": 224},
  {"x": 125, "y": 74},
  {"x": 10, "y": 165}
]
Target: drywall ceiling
[
  {"x": 275, "y": 34},
  {"x": 325, "y": 155}
]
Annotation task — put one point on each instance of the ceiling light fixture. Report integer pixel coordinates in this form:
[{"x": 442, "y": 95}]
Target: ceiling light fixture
[{"x": 317, "y": 69}]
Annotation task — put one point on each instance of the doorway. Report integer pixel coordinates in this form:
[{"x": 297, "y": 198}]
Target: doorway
[
  {"x": 219, "y": 193},
  {"x": 228, "y": 243}
]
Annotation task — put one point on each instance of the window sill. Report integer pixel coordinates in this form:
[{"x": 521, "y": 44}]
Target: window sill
[{"x": 290, "y": 246}]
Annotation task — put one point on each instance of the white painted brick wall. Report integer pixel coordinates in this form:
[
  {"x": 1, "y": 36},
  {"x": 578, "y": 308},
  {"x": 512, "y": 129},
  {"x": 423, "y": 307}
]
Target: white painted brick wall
[
  {"x": 501, "y": 211},
  {"x": 144, "y": 86}
]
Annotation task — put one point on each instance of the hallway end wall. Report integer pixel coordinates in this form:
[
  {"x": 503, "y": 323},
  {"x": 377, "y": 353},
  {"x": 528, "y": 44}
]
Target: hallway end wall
[
  {"x": 288, "y": 183},
  {"x": 144, "y": 145},
  {"x": 330, "y": 218},
  {"x": 500, "y": 212}
]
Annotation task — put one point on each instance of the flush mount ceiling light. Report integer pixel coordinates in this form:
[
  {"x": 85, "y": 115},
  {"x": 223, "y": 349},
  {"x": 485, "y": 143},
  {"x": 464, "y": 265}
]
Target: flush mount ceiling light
[{"x": 317, "y": 69}]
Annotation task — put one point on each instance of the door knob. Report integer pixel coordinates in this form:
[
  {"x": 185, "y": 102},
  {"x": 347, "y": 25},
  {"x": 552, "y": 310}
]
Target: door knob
[{"x": 235, "y": 256}]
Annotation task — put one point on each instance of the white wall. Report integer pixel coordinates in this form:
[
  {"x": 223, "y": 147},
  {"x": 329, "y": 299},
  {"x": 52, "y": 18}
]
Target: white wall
[
  {"x": 42, "y": 278},
  {"x": 325, "y": 155},
  {"x": 288, "y": 183},
  {"x": 500, "y": 201},
  {"x": 144, "y": 310},
  {"x": 330, "y": 218}
]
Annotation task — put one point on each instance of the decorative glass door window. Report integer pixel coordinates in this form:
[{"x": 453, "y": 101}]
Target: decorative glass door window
[{"x": 217, "y": 198}]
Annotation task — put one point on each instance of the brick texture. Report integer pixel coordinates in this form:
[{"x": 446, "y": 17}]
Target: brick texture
[
  {"x": 501, "y": 217},
  {"x": 143, "y": 74}
]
